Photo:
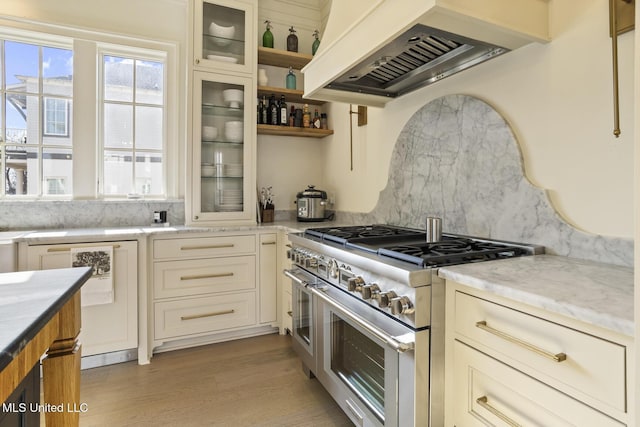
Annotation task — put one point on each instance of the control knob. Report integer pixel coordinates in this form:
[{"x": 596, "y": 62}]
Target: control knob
[
  {"x": 368, "y": 291},
  {"x": 333, "y": 268},
  {"x": 384, "y": 298},
  {"x": 355, "y": 284},
  {"x": 311, "y": 262},
  {"x": 401, "y": 305}
]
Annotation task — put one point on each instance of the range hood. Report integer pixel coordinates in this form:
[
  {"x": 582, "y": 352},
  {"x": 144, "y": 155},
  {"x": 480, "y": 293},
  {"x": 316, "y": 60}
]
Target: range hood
[{"x": 396, "y": 46}]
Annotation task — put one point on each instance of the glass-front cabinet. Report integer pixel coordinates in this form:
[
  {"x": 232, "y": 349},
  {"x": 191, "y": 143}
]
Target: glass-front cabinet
[
  {"x": 222, "y": 149},
  {"x": 224, "y": 34},
  {"x": 222, "y": 115}
]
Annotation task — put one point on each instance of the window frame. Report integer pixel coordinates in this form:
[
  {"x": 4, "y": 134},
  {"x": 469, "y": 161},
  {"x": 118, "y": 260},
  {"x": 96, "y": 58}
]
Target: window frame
[
  {"x": 84, "y": 124},
  {"x": 67, "y": 110},
  {"x": 134, "y": 54}
]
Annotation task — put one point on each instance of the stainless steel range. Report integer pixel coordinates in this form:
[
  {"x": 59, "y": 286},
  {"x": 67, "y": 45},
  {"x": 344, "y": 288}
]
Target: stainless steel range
[{"x": 368, "y": 316}]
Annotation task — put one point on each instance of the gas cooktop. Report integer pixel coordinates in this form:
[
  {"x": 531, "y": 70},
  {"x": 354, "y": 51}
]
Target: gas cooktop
[{"x": 410, "y": 245}]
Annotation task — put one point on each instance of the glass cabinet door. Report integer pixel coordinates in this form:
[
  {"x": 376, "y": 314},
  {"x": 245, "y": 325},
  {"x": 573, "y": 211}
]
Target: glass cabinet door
[
  {"x": 224, "y": 34},
  {"x": 223, "y": 141}
]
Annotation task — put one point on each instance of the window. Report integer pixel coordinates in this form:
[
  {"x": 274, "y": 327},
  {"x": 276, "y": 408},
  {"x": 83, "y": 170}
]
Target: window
[
  {"x": 133, "y": 135},
  {"x": 89, "y": 105},
  {"x": 35, "y": 78},
  {"x": 56, "y": 117}
]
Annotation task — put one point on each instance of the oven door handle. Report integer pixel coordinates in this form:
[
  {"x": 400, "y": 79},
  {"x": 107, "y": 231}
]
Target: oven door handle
[
  {"x": 393, "y": 342},
  {"x": 295, "y": 278}
]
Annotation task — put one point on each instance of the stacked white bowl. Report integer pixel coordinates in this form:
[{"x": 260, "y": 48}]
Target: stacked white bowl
[
  {"x": 209, "y": 133},
  {"x": 233, "y": 97},
  {"x": 222, "y": 34},
  {"x": 234, "y": 131}
]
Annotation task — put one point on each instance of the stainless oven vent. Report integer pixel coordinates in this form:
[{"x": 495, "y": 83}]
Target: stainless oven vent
[{"x": 420, "y": 56}]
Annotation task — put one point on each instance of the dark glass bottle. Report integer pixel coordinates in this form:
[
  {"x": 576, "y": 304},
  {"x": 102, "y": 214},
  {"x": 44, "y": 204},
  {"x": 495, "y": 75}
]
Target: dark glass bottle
[
  {"x": 292, "y": 41},
  {"x": 265, "y": 111},
  {"x": 283, "y": 117},
  {"x": 259, "y": 112},
  {"x": 292, "y": 116},
  {"x": 273, "y": 110}
]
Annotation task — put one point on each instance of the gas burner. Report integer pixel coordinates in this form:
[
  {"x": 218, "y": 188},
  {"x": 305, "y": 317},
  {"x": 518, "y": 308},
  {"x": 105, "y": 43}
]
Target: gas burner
[{"x": 348, "y": 234}]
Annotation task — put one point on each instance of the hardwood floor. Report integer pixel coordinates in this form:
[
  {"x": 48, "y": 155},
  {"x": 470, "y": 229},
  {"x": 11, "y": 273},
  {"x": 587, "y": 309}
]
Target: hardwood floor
[{"x": 250, "y": 382}]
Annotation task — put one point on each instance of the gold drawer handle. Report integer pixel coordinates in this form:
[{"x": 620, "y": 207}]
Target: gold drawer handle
[
  {"x": 206, "y": 276},
  {"x": 196, "y": 247},
  {"x": 290, "y": 313},
  {"x": 68, "y": 248},
  {"x": 268, "y": 243},
  {"x": 200, "y": 316},
  {"x": 559, "y": 357},
  {"x": 482, "y": 401}
]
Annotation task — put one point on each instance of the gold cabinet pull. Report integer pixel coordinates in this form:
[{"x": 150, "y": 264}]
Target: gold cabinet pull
[
  {"x": 290, "y": 313},
  {"x": 68, "y": 248},
  {"x": 206, "y": 276},
  {"x": 268, "y": 243},
  {"x": 196, "y": 247},
  {"x": 559, "y": 357},
  {"x": 483, "y": 401},
  {"x": 212, "y": 314}
]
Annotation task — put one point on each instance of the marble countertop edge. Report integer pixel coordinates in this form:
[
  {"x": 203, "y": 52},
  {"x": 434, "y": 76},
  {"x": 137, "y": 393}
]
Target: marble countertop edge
[{"x": 574, "y": 295}]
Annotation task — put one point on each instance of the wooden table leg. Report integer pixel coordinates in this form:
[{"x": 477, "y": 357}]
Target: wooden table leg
[{"x": 61, "y": 370}]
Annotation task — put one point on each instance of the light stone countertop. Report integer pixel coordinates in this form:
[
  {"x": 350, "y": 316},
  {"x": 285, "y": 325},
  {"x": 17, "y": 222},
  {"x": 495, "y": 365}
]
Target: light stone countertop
[
  {"x": 70, "y": 235},
  {"x": 595, "y": 293}
]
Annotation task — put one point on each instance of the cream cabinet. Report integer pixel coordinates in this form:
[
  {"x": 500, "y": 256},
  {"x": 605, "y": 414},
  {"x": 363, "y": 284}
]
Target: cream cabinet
[
  {"x": 107, "y": 326},
  {"x": 221, "y": 133},
  {"x": 224, "y": 34},
  {"x": 511, "y": 364},
  {"x": 212, "y": 287},
  {"x": 269, "y": 278}
]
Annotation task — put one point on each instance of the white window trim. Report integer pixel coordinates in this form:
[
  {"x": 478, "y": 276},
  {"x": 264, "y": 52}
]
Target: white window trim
[
  {"x": 82, "y": 42},
  {"x": 136, "y": 54}
]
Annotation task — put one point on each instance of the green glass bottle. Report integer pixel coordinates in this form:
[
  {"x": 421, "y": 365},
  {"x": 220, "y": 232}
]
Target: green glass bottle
[
  {"x": 267, "y": 37},
  {"x": 316, "y": 42}
]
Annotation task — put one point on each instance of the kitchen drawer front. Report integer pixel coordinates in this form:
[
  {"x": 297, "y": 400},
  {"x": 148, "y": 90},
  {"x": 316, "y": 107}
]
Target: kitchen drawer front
[
  {"x": 203, "y": 276},
  {"x": 490, "y": 393},
  {"x": 594, "y": 368},
  {"x": 202, "y": 315},
  {"x": 204, "y": 247}
]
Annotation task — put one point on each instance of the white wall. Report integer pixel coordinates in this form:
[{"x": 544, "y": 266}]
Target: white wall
[{"x": 558, "y": 99}]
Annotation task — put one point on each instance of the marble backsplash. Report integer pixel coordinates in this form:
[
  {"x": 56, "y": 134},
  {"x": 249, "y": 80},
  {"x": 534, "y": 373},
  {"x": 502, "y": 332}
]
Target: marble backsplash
[
  {"x": 36, "y": 214},
  {"x": 458, "y": 159}
]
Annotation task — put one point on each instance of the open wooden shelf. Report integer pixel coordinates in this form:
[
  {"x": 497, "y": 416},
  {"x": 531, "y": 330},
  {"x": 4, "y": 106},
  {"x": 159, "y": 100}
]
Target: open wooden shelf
[
  {"x": 286, "y": 59},
  {"x": 282, "y": 58},
  {"x": 292, "y": 96},
  {"x": 293, "y": 131}
]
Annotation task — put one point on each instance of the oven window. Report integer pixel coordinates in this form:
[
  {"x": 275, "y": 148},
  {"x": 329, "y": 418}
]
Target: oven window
[
  {"x": 302, "y": 322},
  {"x": 359, "y": 363}
]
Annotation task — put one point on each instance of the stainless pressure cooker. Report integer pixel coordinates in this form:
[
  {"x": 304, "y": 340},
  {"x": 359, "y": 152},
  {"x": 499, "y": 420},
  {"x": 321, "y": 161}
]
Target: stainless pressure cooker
[{"x": 311, "y": 204}]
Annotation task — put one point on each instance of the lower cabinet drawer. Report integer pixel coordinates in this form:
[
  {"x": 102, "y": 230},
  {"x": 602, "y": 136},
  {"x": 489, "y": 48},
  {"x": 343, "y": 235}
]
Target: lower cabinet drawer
[
  {"x": 587, "y": 367},
  {"x": 203, "y": 246},
  {"x": 201, "y": 315},
  {"x": 203, "y": 276},
  {"x": 491, "y": 393}
]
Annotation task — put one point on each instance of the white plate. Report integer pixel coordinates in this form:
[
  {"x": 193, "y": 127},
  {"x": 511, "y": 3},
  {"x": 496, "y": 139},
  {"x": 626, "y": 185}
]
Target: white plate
[{"x": 222, "y": 58}]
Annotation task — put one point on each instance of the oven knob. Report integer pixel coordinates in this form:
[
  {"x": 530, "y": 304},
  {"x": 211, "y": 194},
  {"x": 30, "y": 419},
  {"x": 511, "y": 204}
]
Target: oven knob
[
  {"x": 401, "y": 305},
  {"x": 311, "y": 262},
  {"x": 333, "y": 269},
  {"x": 355, "y": 284},
  {"x": 384, "y": 298},
  {"x": 368, "y": 291}
]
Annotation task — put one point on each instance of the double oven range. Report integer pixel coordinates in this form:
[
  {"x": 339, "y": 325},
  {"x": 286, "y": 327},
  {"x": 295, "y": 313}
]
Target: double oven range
[{"x": 368, "y": 316}]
